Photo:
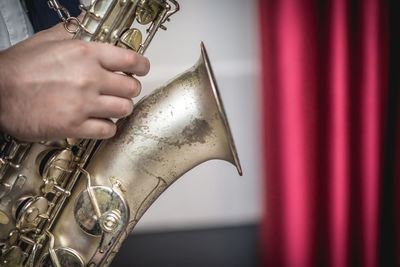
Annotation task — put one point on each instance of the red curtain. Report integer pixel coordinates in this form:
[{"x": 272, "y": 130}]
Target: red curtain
[{"x": 329, "y": 125}]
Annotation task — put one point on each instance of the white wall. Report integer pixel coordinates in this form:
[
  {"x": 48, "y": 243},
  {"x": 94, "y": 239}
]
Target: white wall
[{"x": 212, "y": 194}]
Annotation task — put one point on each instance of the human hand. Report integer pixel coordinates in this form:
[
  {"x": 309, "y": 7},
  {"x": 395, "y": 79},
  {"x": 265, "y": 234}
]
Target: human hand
[{"x": 54, "y": 88}]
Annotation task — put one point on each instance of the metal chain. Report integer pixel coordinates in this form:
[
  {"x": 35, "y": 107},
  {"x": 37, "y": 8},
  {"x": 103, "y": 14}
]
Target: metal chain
[{"x": 65, "y": 16}]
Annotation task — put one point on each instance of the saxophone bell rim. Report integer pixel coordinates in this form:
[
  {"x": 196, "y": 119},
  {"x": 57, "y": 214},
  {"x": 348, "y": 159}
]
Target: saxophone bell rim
[{"x": 221, "y": 108}]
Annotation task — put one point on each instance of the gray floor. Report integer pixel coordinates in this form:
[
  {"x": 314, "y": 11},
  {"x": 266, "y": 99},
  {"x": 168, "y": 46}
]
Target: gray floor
[{"x": 220, "y": 247}]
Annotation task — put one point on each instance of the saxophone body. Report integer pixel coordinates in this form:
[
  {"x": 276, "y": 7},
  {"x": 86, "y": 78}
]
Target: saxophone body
[{"x": 73, "y": 202}]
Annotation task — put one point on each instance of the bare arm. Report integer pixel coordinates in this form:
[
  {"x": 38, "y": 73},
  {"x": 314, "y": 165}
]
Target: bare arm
[{"x": 53, "y": 88}]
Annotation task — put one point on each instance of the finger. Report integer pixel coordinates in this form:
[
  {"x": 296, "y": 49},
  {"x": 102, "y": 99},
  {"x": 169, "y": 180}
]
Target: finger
[
  {"x": 95, "y": 128},
  {"x": 120, "y": 85},
  {"x": 55, "y": 33},
  {"x": 120, "y": 59},
  {"x": 111, "y": 107}
]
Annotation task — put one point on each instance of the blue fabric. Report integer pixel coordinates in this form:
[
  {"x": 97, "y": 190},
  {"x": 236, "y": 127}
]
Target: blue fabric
[{"x": 42, "y": 17}]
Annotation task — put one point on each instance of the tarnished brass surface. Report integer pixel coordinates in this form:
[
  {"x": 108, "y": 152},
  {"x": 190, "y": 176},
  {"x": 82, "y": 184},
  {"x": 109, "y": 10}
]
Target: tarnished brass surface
[
  {"x": 177, "y": 127},
  {"x": 73, "y": 202}
]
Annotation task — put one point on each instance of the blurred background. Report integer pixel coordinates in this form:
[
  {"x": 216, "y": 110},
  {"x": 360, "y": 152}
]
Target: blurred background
[{"x": 209, "y": 217}]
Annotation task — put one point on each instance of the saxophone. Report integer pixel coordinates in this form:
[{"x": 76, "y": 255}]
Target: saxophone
[{"x": 73, "y": 202}]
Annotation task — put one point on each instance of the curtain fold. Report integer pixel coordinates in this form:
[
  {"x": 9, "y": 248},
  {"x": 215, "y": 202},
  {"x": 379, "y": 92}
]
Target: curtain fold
[{"x": 325, "y": 99}]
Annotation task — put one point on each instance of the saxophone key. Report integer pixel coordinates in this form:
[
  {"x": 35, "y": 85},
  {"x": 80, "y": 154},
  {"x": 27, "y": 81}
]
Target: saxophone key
[
  {"x": 54, "y": 166},
  {"x": 4, "y": 218},
  {"x": 13, "y": 238},
  {"x": 147, "y": 11},
  {"x": 112, "y": 208},
  {"x": 132, "y": 39},
  {"x": 32, "y": 212}
]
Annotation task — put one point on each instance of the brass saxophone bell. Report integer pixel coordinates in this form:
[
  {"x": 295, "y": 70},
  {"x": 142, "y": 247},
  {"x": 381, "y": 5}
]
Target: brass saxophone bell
[
  {"x": 172, "y": 130},
  {"x": 177, "y": 127}
]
